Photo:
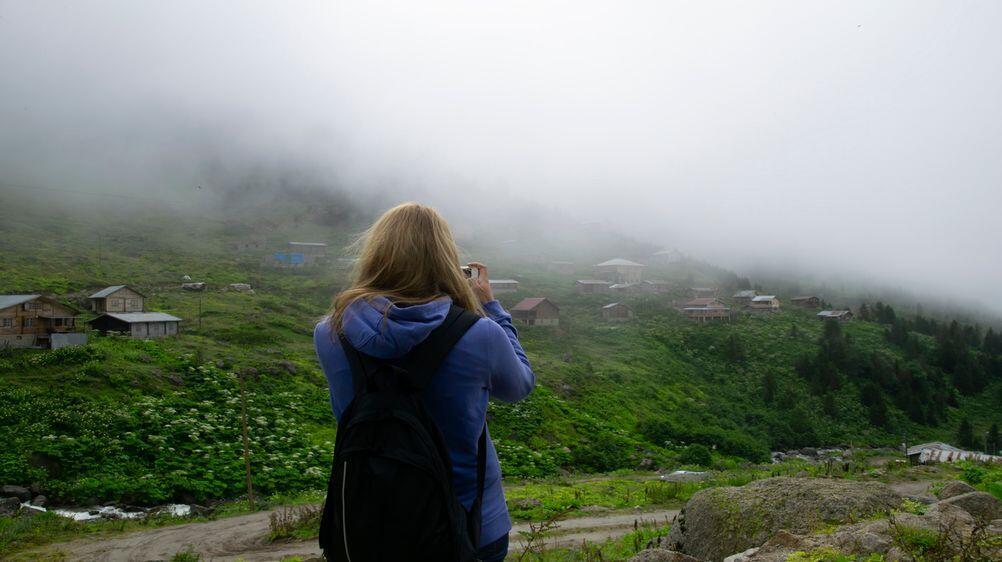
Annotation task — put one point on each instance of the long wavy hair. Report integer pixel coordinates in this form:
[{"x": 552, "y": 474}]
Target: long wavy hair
[{"x": 410, "y": 257}]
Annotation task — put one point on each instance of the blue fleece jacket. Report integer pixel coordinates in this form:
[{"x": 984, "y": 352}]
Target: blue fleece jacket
[{"x": 487, "y": 361}]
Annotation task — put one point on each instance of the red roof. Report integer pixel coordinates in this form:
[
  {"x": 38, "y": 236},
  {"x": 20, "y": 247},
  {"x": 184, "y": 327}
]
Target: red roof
[{"x": 530, "y": 303}]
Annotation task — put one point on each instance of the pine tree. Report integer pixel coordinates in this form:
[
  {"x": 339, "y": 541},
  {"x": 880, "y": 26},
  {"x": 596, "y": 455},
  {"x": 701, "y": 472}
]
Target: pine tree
[
  {"x": 965, "y": 435},
  {"x": 992, "y": 443},
  {"x": 769, "y": 387}
]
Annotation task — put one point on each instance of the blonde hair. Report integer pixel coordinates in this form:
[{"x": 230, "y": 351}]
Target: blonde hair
[{"x": 410, "y": 257}]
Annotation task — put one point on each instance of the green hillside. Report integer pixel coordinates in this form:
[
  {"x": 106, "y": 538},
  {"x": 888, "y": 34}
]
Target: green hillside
[{"x": 152, "y": 421}]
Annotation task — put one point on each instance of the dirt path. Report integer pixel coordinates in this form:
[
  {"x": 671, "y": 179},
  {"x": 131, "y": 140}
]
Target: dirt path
[{"x": 242, "y": 538}]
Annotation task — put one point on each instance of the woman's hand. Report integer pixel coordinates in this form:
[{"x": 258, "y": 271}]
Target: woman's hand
[{"x": 481, "y": 284}]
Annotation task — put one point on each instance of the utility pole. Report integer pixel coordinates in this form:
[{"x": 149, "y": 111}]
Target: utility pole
[{"x": 243, "y": 420}]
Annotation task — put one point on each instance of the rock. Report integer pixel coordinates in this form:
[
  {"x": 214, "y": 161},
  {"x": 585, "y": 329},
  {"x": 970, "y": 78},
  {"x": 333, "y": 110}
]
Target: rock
[
  {"x": 953, "y": 489},
  {"x": 193, "y": 286},
  {"x": 9, "y": 506},
  {"x": 995, "y": 528},
  {"x": 662, "y": 555},
  {"x": 983, "y": 506},
  {"x": 20, "y": 492},
  {"x": 809, "y": 452},
  {"x": 745, "y": 556},
  {"x": 594, "y": 509},
  {"x": 241, "y": 287},
  {"x": 718, "y": 522},
  {"x": 40, "y": 501}
]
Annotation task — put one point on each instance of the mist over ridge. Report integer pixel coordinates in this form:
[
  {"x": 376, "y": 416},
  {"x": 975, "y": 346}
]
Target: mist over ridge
[{"x": 850, "y": 142}]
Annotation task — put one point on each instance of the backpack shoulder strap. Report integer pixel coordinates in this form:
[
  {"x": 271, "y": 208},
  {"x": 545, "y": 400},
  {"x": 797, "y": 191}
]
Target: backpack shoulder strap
[{"x": 426, "y": 358}]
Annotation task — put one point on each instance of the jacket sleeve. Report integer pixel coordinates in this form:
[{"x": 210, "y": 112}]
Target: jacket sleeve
[{"x": 511, "y": 376}]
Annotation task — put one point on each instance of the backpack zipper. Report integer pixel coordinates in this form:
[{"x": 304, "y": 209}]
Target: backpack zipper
[{"x": 344, "y": 510}]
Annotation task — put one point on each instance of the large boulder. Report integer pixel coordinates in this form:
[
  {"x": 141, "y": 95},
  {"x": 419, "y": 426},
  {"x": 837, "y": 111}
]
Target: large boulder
[
  {"x": 718, "y": 522},
  {"x": 19, "y": 492},
  {"x": 954, "y": 488},
  {"x": 982, "y": 506},
  {"x": 9, "y": 506}
]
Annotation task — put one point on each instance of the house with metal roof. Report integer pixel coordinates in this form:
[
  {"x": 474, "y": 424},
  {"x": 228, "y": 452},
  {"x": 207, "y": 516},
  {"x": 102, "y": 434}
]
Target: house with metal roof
[
  {"x": 590, "y": 286},
  {"x": 501, "y": 286},
  {"x": 806, "y": 301},
  {"x": 840, "y": 315},
  {"x": 617, "y": 312},
  {"x": 37, "y": 321},
  {"x": 936, "y": 452},
  {"x": 764, "y": 302},
  {"x": 140, "y": 325},
  {"x": 745, "y": 296},
  {"x": 117, "y": 298},
  {"x": 536, "y": 311},
  {"x": 619, "y": 270}
]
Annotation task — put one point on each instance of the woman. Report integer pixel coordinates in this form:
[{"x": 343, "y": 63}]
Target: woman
[{"x": 407, "y": 277}]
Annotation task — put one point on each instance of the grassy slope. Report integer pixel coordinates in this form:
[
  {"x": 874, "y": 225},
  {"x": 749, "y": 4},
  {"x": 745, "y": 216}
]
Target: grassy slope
[{"x": 597, "y": 380}]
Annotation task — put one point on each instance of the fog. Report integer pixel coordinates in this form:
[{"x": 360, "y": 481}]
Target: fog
[{"x": 850, "y": 139}]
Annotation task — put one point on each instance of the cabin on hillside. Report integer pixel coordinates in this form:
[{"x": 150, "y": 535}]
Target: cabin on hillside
[
  {"x": 935, "y": 452},
  {"x": 704, "y": 302},
  {"x": 806, "y": 301},
  {"x": 617, "y": 312},
  {"x": 139, "y": 325},
  {"x": 764, "y": 303},
  {"x": 562, "y": 267},
  {"x": 117, "y": 298},
  {"x": 591, "y": 286},
  {"x": 654, "y": 286},
  {"x": 666, "y": 257},
  {"x": 619, "y": 270},
  {"x": 745, "y": 296},
  {"x": 536, "y": 311},
  {"x": 715, "y": 312},
  {"x": 247, "y": 245},
  {"x": 840, "y": 315},
  {"x": 502, "y": 286},
  {"x": 625, "y": 288},
  {"x": 285, "y": 259},
  {"x": 310, "y": 250},
  {"x": 37, "y": 321},
  {"x": 703, "y": 292}
]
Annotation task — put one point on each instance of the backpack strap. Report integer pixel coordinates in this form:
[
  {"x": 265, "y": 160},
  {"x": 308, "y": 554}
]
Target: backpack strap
[{"x": 427, "y": 357}]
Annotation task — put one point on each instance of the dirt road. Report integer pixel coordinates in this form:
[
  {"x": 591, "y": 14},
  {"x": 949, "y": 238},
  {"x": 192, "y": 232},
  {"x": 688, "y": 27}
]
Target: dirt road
[{"x": 242, "y": 538}]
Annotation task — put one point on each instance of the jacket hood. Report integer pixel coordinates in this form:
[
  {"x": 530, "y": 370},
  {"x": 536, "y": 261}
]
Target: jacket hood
[{"x": 372, "y": 331}]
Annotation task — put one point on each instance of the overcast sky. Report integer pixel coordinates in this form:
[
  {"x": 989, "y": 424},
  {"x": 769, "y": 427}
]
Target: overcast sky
[{"x": 857, "y": 136}]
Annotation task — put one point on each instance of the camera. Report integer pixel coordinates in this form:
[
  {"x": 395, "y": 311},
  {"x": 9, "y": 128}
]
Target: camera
[{"x": 470, "y": 272}]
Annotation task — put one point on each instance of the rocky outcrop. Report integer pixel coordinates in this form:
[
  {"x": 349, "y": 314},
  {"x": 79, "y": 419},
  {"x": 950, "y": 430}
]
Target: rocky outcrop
[
  {"x": 719, "y": 522},
  {"x": 662, "y": 555},
  {"x": 18, "y": 492},
  {"x": 9, "y": 506},
  {"x": 769, "y": 520},
  {"x": 983, "y": 506},
  {"x": 954, "y": 488}
]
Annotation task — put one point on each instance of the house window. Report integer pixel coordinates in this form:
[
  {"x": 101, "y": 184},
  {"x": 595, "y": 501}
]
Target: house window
[
  {"x": 58, "y": 322},
  {"x": 32, "y": 305},
  {"x": 6, "y": 322},
  {"x": 29, "y": 322},
  {"x": 133, "y": 303}
]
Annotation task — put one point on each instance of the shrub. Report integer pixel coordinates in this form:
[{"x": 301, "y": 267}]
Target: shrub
[{"x": 697, "y": 454}]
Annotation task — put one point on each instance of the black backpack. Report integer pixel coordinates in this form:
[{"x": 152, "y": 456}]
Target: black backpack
[{"x": 390, "y": 496}]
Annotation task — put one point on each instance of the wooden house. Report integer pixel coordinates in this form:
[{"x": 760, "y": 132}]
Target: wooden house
[
  {"x": 247, "y": 245},
  {"x": 536, "y": 311},
  {"x": 625, "y": 288},
  {"x": 764, "y": 302},
  {"x": 562, "y": 267},
  {"x": 840, "y": 315},
  {"x": 117, "y": 298},
  {"x": 744, "y": 297},
  {"x": 806, "y": 302},
  {"x": 34, "y": 321},
  {"x": 704, "y": 302},
  {"x": 590, "y": 286},
  {"x": 619, "y": 270},
  {"x": 502, "y": 286},
  {"x": 703, "y": 292},
  {"x": 310, "y": 250},
  {"x": 617, "y": 312},
  {"x": 707, "y": 314},
  {"x": 666, "y": 257},
  {"x": 654, "y": 286},
  {"x": 140, "y": 325}
]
